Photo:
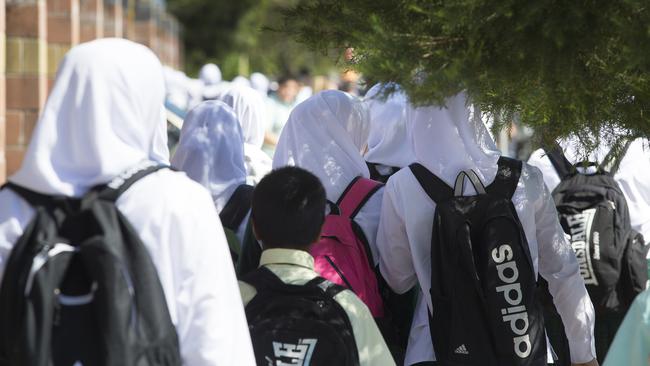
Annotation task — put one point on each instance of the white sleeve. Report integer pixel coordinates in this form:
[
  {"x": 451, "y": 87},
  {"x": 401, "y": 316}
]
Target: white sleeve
[
  {"x": 395, "y": 260},
  {"x": 368, "y": 221},
  {"x": 211, "y": 323},
  {"x": 558, "y": 265}
]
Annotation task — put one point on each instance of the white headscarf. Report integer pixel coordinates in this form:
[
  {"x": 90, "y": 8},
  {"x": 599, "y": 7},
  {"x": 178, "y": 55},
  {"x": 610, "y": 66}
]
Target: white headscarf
[
  {"x": 250, "y": 110},
  {"x": 260, "y": 82},
  {"x": 241, "y": 80},
  {"x": 325, "y": 135},
  {"x": 211, "y": 150},
  {"x": 104, "y": 115},
  {"x": 453, "y": 138},
  {"x": 388, "y": 141},
  {"x": 210, "y": 74}
]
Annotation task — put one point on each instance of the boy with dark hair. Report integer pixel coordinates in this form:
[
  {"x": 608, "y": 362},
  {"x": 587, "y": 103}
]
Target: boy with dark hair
[{"x": 295, "y": 316}]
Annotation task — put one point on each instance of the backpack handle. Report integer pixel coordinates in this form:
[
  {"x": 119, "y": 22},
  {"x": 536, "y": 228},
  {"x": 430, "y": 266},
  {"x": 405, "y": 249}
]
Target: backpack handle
[{"x": 459, "y": 187}]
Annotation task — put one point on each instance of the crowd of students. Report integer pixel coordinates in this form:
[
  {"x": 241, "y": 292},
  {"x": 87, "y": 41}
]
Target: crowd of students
[{"x": 358, "y": 243}]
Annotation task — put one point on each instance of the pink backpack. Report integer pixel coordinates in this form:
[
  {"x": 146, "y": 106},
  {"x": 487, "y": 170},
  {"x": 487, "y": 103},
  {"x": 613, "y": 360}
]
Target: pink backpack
[{"x": 342, "y": 254}]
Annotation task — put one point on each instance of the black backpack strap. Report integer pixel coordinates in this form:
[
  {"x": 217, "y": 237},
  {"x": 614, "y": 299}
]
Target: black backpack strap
[
  {"x": 238, "y": 206},
  {"x": 507, "y": 178},
  {"x": 35, "y": 199},
  {"x": 437, "y": 190},
  {"x": 120, "y": 184},
  {"x": 264, "y": 280},
  {"x": 562, "y": 165}
]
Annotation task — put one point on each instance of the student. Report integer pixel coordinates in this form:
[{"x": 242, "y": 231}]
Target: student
[
  {"x": 288, "y": 213},
  {"x": 325, "y": 135},
  {"x": 211, "y": 152},
  {"x": 249, "y": 106},
  {"x": 389, "y": 148},
  {"x": 447, "y": 141},
  {"x": 280, "y": 105},
  {"x": 103, "y": 116},
  {"x": 632, "y": 343}
]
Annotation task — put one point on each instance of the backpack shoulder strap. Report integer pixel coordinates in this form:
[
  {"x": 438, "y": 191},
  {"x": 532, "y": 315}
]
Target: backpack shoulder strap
[
  {"x": 507, "y": 178},
  {"x": 34, "y": 198},
  {"x": 120, "y": 184},
  {"x": 435, "y": 188},
  {"x": 330, "y": 288},
  {"x": 356, "y": 195},
  {"x": 561, "y": 164},
  {"x": 237, "y": 207}
]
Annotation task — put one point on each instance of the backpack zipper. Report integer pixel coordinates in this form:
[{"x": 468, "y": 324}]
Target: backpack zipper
[{"x": 327, "y": 257}]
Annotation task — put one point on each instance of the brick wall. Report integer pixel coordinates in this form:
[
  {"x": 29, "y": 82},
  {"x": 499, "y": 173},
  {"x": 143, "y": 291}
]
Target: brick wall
[{"x": 34, "y": 37}]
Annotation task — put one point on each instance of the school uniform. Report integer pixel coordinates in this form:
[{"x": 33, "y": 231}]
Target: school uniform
[
  {"x": 211, "y": 152},
  {"x": 296, "y": 267},
  {"x": 250, "y": 109},
  {"x": 103, "y": 116},
  {"x": 325, "y": 135},
  {"x": 631, "y": 176},
  {"x": 389, "y": 146},
  {"x": 446, "y": 141}
]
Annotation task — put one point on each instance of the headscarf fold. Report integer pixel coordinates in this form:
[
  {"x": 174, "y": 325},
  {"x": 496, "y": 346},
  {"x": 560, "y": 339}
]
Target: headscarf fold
[
  {"x": 211, "y": 150},
  {"x": 105, "y": 114},
  {"x": 325, "y": 135},
  {"x": 388, "y": 141},
  {"x": 449, "y": 139}
]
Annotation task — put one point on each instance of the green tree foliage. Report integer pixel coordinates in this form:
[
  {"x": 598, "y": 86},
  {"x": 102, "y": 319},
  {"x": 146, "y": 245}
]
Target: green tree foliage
[
  {"x": 236, "y": 35},
  {"x": 561, "y": 66}
]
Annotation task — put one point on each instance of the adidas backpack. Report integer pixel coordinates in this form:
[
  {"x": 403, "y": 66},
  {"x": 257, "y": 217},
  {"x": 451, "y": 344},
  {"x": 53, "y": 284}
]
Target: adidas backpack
[
  {"x": 485, "y": 310},
  {"x": 80, "y": 288},
  {"x": 594, "y": 214},
  {"x": 342, "y": 255},
  {"x": 233, "y": 214},
  {"x": 298, "y": 324}
]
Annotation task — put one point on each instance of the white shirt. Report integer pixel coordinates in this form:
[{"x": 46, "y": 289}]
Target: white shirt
[
  {"x": 183, "y": 235},
  {"x": 404, "y": 244}
]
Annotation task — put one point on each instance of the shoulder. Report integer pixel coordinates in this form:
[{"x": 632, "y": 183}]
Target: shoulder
[
  {"x": 353, "y": 306},
  {"x": 247, "y": 292}
]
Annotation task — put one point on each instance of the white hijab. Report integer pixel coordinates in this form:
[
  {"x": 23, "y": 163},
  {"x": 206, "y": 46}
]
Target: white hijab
[
  {"x": 104, "y": 115},
  {"x": 250, "y": 110},
  {"x": 210, "y": 74},
  {"x": 260, "y": 83},
  {"x": 453, "y": 138},
  {"x": 388, "y": 141},
  {"x": 211, "y": 150},
  {"x": 325, "y": 135}
]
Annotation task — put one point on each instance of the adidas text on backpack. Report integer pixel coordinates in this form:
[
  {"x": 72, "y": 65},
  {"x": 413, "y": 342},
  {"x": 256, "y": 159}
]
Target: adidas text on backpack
[
  {"x": 80, "y": 288},
  {"x": 485, "y": 310}
]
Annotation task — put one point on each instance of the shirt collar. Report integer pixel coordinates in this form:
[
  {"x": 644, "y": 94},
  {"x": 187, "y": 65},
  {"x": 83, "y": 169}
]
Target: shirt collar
[{"x": 287, "y": 256}]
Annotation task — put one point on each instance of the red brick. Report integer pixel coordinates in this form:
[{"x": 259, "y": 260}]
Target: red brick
[
  {"x": 3, "y": 176},
  {"x": 22, "y": 92},
  {"x": 14, "y": 157},
  {"x": 59, "y": 29},
  {"x": 22, "y": 20},
  {"x": 29, "y": 122},
  {"x": 14, "y": 128}
]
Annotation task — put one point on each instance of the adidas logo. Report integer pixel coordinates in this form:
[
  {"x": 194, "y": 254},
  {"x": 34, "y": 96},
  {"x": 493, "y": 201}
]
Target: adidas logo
[{"x": 461, "y": 350}]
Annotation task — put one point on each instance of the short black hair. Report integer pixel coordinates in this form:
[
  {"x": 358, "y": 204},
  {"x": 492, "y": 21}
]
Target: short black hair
[
  {"x": 286, "y": 78},
  {"x": 288, "y": 208}
]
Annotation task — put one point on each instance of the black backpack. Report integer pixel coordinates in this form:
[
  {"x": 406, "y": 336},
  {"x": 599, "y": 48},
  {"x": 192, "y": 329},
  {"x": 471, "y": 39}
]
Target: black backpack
[
  {"x": 232, "y": 216},
  {"x": 298, "y": 325},
  {"x": 593, "y": 212},
  {"x": 483, "y": 285},
  {"x": 80, "y": 286}
]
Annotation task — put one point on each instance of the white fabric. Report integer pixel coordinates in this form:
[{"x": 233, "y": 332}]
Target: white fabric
[
  {"x": 388, "y": 141},
  {"x": 250, "y": 108},
  {"x": 325, "y": 135},
  {"x": 211, "y": 150},
  {"x": 260, "y": 83},
  {"x": 210, "y": 74},
  {"x": 172, "y": 215},
  {"x": 447, "y": 140},
  {"x": 632, "y": 176},
  {"x": 67, "y": 154},
  {"x": 241, "y": 80}
]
